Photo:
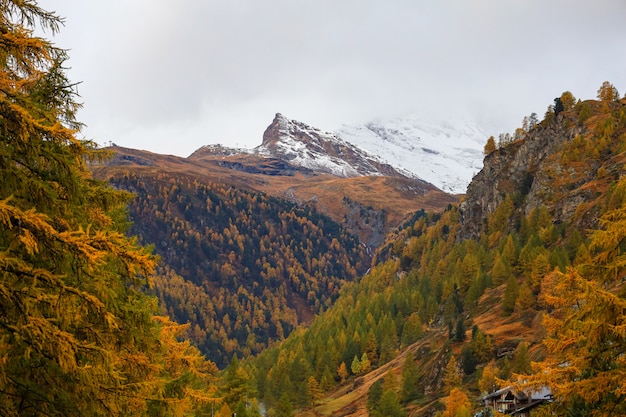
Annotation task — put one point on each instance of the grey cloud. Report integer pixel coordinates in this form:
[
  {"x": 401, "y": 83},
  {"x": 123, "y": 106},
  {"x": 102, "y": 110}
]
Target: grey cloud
[{"x": 172, "y": 76}]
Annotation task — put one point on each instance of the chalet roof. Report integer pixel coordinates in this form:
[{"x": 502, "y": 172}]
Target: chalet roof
[
  {"x": 503, "y": 391},
  {"x": 543, "y": 393}
]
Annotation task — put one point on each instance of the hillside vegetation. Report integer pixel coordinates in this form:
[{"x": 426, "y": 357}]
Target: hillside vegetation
[
  {"x": 521, "y": 284},
  {"x": 512, "y": 300},
  {"x": 243, "y": 268}
]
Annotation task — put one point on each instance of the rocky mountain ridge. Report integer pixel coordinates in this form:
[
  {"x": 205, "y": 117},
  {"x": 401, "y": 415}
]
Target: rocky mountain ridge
[
  {"x": 446, "y": 154},
  {"x": 302, "y": 148},
  {"x": 309, "y": 147},
  {"x": 541, "y": 169},
  {"x": 515, "y": 168}
]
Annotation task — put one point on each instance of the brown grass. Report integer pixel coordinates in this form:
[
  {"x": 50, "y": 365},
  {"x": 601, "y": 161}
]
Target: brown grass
[{"x": 490, "y": 319}]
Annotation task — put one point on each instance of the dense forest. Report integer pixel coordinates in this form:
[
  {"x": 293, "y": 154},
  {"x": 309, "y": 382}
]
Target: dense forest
[
  {"x": 556, "y": 281},
  {"x": 243, "y": 268}
]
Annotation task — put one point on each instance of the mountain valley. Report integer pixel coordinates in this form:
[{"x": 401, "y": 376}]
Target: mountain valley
[
  {"x": 323, "y": 281},
  {"x": 521, "y": 218},
  {"x": 283, "y": 225},
  {"x": 400, "y": 268}
]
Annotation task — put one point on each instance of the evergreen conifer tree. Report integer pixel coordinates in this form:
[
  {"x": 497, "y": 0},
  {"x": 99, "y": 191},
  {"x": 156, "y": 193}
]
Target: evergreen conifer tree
[
  {"x": 410, "y": 378},
  {"x": 374, "y": 395}
]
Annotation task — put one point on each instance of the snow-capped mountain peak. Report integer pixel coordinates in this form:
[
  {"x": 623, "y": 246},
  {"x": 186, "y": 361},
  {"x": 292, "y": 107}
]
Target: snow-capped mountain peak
[
  {"x": 309, "y": 147},
  {"x": 446, "y": 154}
]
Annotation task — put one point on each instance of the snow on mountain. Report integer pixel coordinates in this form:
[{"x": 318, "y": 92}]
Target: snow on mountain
[
  {"x": 308, "y": 147},
  {"x": 446, "y": 154}
]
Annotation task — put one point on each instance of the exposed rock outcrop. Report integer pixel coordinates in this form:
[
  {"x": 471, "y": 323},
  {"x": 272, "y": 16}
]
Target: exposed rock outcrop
[{"x": 524, "y": 169}]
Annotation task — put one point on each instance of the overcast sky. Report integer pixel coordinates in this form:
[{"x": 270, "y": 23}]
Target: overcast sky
[{"x": 170, "y": 76}]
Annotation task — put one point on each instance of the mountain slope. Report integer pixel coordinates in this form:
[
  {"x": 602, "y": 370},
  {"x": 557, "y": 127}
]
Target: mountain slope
[
  {"x": 446, "y": 154},
  {"x": 356, "y": 200},
  {"x": 311, "y": 148},
  {"x": 497, "y": 272},
  {"x": 243, "y": 268},
  {"x": 254, "y": 244}
]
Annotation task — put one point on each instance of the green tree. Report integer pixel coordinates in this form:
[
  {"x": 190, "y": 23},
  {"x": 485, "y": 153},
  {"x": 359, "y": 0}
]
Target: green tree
[
  {"x": 482, "y": 346},
  {"x": 327, "y": 381},
  {"x": 389, "y": 340},
  {"x": 468, "y": 360},
  {"x": 510, "y": 295},
  {"x": 365, "y": 363},
  {"x": 498, "y": 221},
  {"x": 284, "y": 408},
  {"x": 371, "y": 347},
  {"x": 236, "y": 387},
  {"x": 374, "y": 395},
  {"x": 411, "y": 330},
  {"x": 355, "y": 367},
  {"x": 533, "y": 120},
  {"x": 520, "y": 364},
  {"x": 389, "y": 406},
  {"x": 390, "y": 380},
  {"x": 410, "y": 378},
  {"x": 548, "y": 116},
  {"x": 314, "y": 393},
  {"x": 459, "y": 331},
  {"x": 452, "y": 376}
]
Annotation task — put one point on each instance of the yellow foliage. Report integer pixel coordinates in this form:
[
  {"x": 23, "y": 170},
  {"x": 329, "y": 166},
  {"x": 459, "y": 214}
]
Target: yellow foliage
[
  {"x": 489, "y": 381},
  {"x": 457, "y": 403},
  {"x": 586, "y": 329},
  {"x": 76, "y": 332}
]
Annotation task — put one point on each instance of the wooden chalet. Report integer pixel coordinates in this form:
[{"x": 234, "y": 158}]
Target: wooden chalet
[{"x": 512, "y": 402}]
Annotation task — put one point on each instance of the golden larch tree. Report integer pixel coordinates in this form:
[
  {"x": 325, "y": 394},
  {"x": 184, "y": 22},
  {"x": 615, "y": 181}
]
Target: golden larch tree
[
  {"x": 586, "y": 329},
  {"x": 77, "y": 335}
]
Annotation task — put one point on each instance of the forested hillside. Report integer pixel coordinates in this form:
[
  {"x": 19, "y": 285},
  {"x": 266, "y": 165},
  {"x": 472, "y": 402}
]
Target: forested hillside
[
  {"x": 249, "y": 267},
  {"x": 255, "y": 243},
  {"x": 521, "y": 284},
  {"x": 535, "y": 288}
]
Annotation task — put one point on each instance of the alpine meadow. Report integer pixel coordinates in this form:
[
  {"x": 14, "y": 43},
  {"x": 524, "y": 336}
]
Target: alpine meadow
[{"x": 308, "y": 276}]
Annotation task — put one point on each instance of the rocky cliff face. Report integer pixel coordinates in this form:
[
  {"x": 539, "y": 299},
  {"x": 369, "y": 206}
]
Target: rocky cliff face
[{"x": 525, "y": 169}]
